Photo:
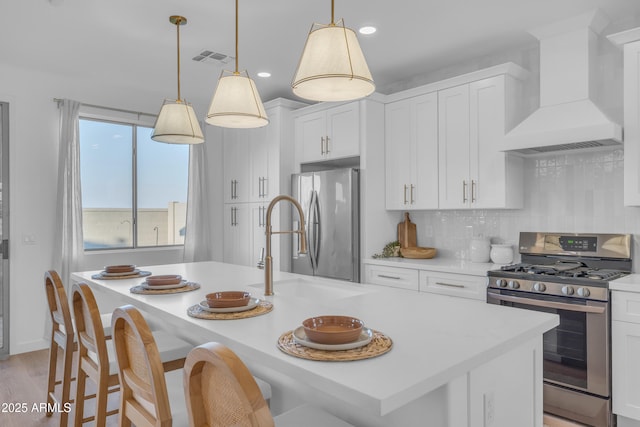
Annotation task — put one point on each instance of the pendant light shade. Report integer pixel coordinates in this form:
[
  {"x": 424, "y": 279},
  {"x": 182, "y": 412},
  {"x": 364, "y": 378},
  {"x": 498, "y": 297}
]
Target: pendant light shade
[
  {"x": 236, "y": 102},
  {"x": 177, "y": 122},
  {"x": 332, "y": 66}
]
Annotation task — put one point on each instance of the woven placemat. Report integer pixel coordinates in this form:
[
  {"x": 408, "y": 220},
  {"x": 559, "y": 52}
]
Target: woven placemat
[
  {"x": 263, "y": 307},
  {"x": 101, "y": 276},
  {"x": 189, "y": 286},
  {"x": 379, "y": 345}
]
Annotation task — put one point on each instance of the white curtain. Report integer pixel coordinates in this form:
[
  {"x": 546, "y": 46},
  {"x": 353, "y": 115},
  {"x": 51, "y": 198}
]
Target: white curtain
[
  {"x": 197, "y": 243},
  {"x": 69, "y": 246}
]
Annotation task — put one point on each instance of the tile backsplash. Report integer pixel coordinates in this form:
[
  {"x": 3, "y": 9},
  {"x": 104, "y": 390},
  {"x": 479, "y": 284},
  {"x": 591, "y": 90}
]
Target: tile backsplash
[{"x": 579, "y": 192}]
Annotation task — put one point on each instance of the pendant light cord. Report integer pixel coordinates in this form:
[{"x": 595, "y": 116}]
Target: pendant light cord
[
  {"x": 178, "y": 22},
  {"x": 332, "y": 23},
  {"x": 236, "y": 37}
]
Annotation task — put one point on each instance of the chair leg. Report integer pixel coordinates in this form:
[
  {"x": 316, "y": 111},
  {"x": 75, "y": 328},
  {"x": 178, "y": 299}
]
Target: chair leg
[
  {"x": 81, "y": 382},
  {"x": 51, "y": 382},
  {"x": 101, "y": 402},
  {"x": 66, "y": 385}
]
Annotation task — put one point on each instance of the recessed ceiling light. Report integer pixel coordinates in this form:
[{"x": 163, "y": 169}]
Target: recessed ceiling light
[
  {"x": 264, "y": 74},
  {"x": 367, "y": 30}
]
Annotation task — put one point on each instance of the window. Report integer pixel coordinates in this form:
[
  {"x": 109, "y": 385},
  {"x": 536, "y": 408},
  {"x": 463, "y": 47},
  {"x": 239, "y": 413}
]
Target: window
[{"x": 134, "y": 189}]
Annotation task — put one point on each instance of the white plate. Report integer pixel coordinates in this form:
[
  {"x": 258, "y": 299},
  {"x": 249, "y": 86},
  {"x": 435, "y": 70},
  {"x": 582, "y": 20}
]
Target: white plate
[
  {"x": 253, "y": 303},
  {"x": 145, "y": 285},
  {"x": 299, "y": 337},
  {"x": 127, "y": 273}
]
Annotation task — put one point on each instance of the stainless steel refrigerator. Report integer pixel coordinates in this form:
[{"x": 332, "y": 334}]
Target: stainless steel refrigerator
[{"x": 331, "y": 204}]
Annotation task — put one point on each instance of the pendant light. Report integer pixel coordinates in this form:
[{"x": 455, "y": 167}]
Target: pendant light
[
  {"x": 177, "y": 122},
  {"x": 236, "y": 102},
  {"x": 332, "y": 66}
]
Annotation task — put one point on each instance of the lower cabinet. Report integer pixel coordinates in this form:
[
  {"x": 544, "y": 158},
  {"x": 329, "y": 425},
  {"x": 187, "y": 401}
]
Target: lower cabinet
[
  {"x": 452, "y": 284},
  {"x": 625, "y": 354}
]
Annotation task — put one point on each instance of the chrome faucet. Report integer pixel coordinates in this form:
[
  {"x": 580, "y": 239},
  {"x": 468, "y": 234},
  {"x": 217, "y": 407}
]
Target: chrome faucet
[{"x": 268, "y": 261}]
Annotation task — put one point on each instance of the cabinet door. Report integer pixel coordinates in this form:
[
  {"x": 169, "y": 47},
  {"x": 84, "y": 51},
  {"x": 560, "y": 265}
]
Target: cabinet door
[
  {"x": 625, "y": 354},
  {"x": 310, "y": 134},
  {"x": 455, "y": 285},
  {"x": 343, "y": 131},
  {"x": 258, "y": 237},
  {"x": 632, "y": 124},
  {"x": 236, "y": 234},
  {"x": 399, "y": 159},
  {"x": 453, "y": 147},
  {"x": 396, "y": 277},
  {"x": 236, "y": 171},
  {"x": 424, "y": 195},
  {"x": 258, "y": 160},
  {"x": 487, "y": 128}
]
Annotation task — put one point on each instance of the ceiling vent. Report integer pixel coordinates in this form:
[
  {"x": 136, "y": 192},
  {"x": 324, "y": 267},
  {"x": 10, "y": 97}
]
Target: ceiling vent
[{"x": 211, "y": 57}]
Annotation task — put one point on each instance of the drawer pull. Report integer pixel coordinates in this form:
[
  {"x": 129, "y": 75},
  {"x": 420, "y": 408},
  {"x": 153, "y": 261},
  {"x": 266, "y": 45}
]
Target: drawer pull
[
  {"x": 451, "y": 285},
  {"x": 384, "y": 276}
]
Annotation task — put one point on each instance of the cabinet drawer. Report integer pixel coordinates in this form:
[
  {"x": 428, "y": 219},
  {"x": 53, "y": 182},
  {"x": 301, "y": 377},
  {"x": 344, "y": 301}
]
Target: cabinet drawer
[
  {"x": 456, "y": 285},
  {"x": 404, "y": 278},
  {"x": 625, "y": 306}
]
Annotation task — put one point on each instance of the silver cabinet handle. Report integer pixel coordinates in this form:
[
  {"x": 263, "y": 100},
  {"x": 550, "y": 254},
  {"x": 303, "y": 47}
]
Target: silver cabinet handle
[
  {"x": 464, "y": 191},
  {"x": 405, "y": 194},
  {"x": 326, "y": 145},
  {"x": 451, "y": 285},
  {"x": 322, "y": 145},
  {"x": 265, "y": 187},
  {"x": 411, "y": 198},
  {"x": 259, "y": 186},
  {"x": 473, "y": 191},
  {"x": 384, "y": 276},
  {"x": 232, "y": 189}
]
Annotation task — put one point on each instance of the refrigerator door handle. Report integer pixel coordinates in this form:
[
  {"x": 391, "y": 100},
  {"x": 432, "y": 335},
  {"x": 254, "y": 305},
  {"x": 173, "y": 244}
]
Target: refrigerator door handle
[
  {"x": 311, "y": 231},
  {"x": 316, "y": 228}
]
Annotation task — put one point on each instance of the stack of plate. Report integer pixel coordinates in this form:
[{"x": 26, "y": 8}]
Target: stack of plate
[
  {"x": 164, "y": 281},
  {"x": 229, "y": 302},
  {"x": 120, "y": 270},
  {"x": 332, "y": 333}
]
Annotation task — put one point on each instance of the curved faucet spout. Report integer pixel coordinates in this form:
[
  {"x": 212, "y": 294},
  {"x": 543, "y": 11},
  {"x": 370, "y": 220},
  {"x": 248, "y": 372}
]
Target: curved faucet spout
[{"x": 268, "y": 261}]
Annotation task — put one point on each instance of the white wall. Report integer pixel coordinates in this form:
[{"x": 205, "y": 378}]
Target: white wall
[{"x": 33, "y": 153}]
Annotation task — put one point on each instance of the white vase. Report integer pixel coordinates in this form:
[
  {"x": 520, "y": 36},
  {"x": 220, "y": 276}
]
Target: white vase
[
  {"x": 501, "y": 254},
  {"x": 480, "y": 249}
]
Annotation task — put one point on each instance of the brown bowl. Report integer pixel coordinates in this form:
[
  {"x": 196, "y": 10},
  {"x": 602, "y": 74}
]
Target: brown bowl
[
  {"x": 332, "y": 329},
  {"x": 228, "y": 299},
  {"x": 123, "y": 268},
  {"x": 164, "y": 280}
]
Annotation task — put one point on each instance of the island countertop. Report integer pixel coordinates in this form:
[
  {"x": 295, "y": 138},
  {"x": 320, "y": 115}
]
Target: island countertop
[{"x": 436, "y": 338}]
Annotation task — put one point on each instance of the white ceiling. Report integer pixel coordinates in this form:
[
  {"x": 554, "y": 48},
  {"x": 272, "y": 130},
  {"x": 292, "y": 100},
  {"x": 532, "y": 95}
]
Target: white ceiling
[{"x": 132, "y": 41}]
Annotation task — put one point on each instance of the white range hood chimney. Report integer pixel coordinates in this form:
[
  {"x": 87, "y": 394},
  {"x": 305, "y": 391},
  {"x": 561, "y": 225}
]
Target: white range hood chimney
[{"x": 568, "y": 116}]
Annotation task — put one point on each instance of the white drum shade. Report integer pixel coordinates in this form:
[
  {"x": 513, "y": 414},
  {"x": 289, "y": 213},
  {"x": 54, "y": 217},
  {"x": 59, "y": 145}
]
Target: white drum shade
[
  {"x": 177, "y": 123},
  {"x": 236, "y": 103}
]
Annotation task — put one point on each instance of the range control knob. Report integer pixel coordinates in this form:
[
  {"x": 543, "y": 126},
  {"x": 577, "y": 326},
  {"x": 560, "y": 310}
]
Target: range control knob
[
  {"x": 583, "y": 292},
  {"x": 539, "y": 287},
  {"x": 567, "y": 290},
  {"x": 514, "y": 284},
  {"x": 501, "y": 283}
]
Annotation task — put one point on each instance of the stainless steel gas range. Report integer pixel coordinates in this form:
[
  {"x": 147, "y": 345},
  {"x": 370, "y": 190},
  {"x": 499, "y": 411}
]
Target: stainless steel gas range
[{"x": 568, "y": 274}]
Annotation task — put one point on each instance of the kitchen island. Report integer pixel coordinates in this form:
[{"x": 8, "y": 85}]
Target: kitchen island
[{"x": 453, "y": 363}]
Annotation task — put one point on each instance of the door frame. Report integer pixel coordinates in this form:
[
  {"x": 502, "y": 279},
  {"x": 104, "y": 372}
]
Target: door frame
[{"x": 4, "y": 242}]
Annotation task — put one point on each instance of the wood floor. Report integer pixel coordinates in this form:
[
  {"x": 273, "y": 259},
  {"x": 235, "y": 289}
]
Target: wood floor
[{"x": 23, "y": 381}]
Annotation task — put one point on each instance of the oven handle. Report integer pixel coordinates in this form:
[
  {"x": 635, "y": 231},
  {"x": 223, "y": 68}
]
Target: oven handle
[{"x": 550, "y": 304}]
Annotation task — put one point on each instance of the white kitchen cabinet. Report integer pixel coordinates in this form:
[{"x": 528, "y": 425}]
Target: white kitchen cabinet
[
  {"x": 631, "y": 80},
  {"x": 455, "y": 285},
  {"x": 472, "y": 121},
  {"x": 257, "y": 167},
  {"x": 395, "y": 277},
  {"x": 625, "y": 354},
  {"x": 411, "y": 147},
  {"x": 328, "y": 134}
]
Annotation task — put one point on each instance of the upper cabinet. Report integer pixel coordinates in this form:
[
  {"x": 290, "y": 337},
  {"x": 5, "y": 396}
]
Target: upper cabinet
[
  {"x": 332, "y": 133},
  {"x": 474, "y": 173},
  {"x": 443, "y": 147},
  {"x": 630, "y": 40},
  {"x": 411, "y": 153}
]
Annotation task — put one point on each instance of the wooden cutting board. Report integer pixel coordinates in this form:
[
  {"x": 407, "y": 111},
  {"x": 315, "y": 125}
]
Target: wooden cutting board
[{"x": 407, "y": 232}]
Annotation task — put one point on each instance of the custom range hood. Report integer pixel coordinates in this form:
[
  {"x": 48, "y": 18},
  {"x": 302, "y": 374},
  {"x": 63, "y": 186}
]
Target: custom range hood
[{"x": 569, "y": 116}]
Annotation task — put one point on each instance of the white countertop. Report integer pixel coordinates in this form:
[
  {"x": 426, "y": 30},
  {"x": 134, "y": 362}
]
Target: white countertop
[
  {"x": 446, "y": 265},
  {"x": 630, "y": 283},
  {"x": 435, "y": 338}
]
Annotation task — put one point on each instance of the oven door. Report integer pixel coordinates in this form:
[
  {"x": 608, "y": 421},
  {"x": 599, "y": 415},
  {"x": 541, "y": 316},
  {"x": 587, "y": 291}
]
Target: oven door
[{"x": 576, "y": 352}]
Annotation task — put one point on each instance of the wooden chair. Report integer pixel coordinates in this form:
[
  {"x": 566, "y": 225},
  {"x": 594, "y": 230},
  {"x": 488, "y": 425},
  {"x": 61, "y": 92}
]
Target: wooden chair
[
  {"x": 97, "y": 358},
  {"x": 220, "y": 391},
  {"x": 144, "y": 400}
]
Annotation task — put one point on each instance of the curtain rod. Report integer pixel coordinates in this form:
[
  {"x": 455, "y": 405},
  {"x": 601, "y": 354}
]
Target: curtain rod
[{"x": 59, "y": 100}]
